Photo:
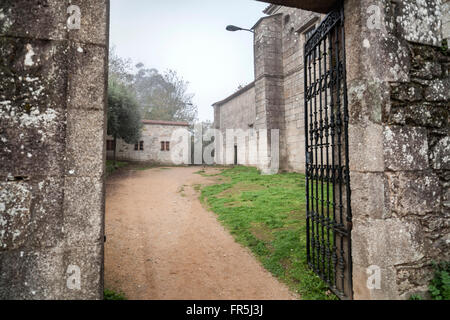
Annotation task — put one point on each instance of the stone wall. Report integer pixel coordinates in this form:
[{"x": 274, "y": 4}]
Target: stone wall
[
  {"x": 237, "y": 114},
  {"x": 399, "y": 136},
  {"x": 52, "y": 153},
  {"x": 152, "y": 136},
  {"x": 446, "y": 20}
]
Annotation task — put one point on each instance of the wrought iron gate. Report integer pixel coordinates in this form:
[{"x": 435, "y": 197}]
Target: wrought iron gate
[{"x": 329, "y": 217}]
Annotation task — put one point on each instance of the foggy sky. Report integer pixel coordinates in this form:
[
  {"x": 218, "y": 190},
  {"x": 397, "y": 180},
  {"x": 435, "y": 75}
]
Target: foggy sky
[{"x": 189, "y": 37}]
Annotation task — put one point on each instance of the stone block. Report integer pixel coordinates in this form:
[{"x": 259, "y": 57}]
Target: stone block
[
  {"x": 83, "y": 216},
  {"x": 32, "y": 144},
  {"x": 31, "y": 275},
  {"x": 438, "y": 90},
  {"x": 366, "y": 101},
  {"x": 368, "y": 195},
  {"x": 412, "y": 193},
  {"x": 85, "y": 150},
  {"x": 405, "y": 148},
  {"x": 366, "y": 149},
  {"x": 440, "y": 154},
  {"x": 88, "y": 259},
  {"x": 31, "y": 214},
  {"x": 386, "y": 243},
  {"x": 36, "y": 19},
  {"x": 94, "y": 23},
  {"x": 86, "y": 82},
  {"x": 33, "y": 74},
  {"x": 418, "y": 21},
  {"x": 409, "y": 92},
  {"x": 427, "y": 70},
  {"x": 361, "y": 290},
  {"x": 421, "y": 114},
  {"x": 366, "y": 48}
]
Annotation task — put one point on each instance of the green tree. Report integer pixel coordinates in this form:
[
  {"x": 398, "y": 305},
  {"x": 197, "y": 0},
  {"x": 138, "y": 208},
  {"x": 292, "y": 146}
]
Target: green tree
[
  {"x": 120, "y": 69},
  {"x": 163, "y": 96},
  {"x": 124, "y": 119}
]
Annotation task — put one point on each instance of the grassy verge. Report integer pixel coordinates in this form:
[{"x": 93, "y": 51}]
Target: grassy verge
[
  {"x": 267, "y": 214},
  {"x": 111, "y": 295},
  {"x": 110, "y": 168}
]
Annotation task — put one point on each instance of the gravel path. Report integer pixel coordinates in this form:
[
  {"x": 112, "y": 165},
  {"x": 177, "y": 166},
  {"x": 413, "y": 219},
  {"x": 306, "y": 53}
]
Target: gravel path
[{"x": 163, "y": 244}]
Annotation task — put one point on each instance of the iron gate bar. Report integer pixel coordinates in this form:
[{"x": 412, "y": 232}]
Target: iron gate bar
[{"x": 329, "y": 217}]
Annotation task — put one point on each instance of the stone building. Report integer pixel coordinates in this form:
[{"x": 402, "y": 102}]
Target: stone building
[
  {"x": 53, "y": 81},
  {"x": 155, "y": 146}
]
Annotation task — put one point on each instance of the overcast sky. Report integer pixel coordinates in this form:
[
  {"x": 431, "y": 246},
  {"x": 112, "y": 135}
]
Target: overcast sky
[{"x": 189, "y": 37}]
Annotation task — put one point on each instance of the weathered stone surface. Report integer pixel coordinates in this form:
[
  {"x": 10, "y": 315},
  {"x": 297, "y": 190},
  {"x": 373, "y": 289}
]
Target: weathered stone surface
[
  {"x": 440, "y": 154},
  {"x": 413, "y": 279},
  {"x": 33, "y": 74},
  {"x": 366, "y": 148},
  {"x": 89, "y": 260},
  {"x": 48, "y": 18},
  {"x": 31, "y": 275},
  {"x": 32, "y": 106},
  {"x": 406, "y": 148},
  {"x": 15, "y": 214},
  {"x": 438, "y": 90},
  {"x": 32, "y": 144},
  {"x": 371, "y": 42},
  {"x": 368, "y": 195},
  {"x": 418, "y": 21},
  {"x": 409, "y": 246},
  {"x": 94, "y": 23},
  {"x": 366, "y": 101},
  {"x": 412, "y": 193},
  {"x": 85, "y": 147},
  {"x": 86, "y": 82},
  {"x": 421, "y": 114},
  {"x": 80, "y": 227},
  {"x": 427, "y": 70},
  {"x": 45, "y": 83},
  {"x": 32, "y": 217},
  {"x": 410, "y": 92}
]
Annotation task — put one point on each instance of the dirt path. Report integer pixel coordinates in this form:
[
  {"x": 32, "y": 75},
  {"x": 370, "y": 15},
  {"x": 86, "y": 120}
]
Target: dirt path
[{"x": 163, "y": 244}]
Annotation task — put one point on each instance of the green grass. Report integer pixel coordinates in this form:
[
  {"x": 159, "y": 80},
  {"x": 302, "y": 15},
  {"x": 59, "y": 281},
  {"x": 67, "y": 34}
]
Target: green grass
[
  {"x": 111, "y": 295},
  {"x": 110, "y": 168},
  {"x": 267, "y": 214}
]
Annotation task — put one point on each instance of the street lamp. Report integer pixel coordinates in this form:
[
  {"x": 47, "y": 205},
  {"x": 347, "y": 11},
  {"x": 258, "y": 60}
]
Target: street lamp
[{"x": 234, "y": 28}]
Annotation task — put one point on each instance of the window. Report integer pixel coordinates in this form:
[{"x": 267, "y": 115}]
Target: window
[
  {"x": 139, "y": 146},
  {"x": 309, "y": 33},
  {"x": 165, "y": 146},
  {"x": 110, "y": 145}
]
